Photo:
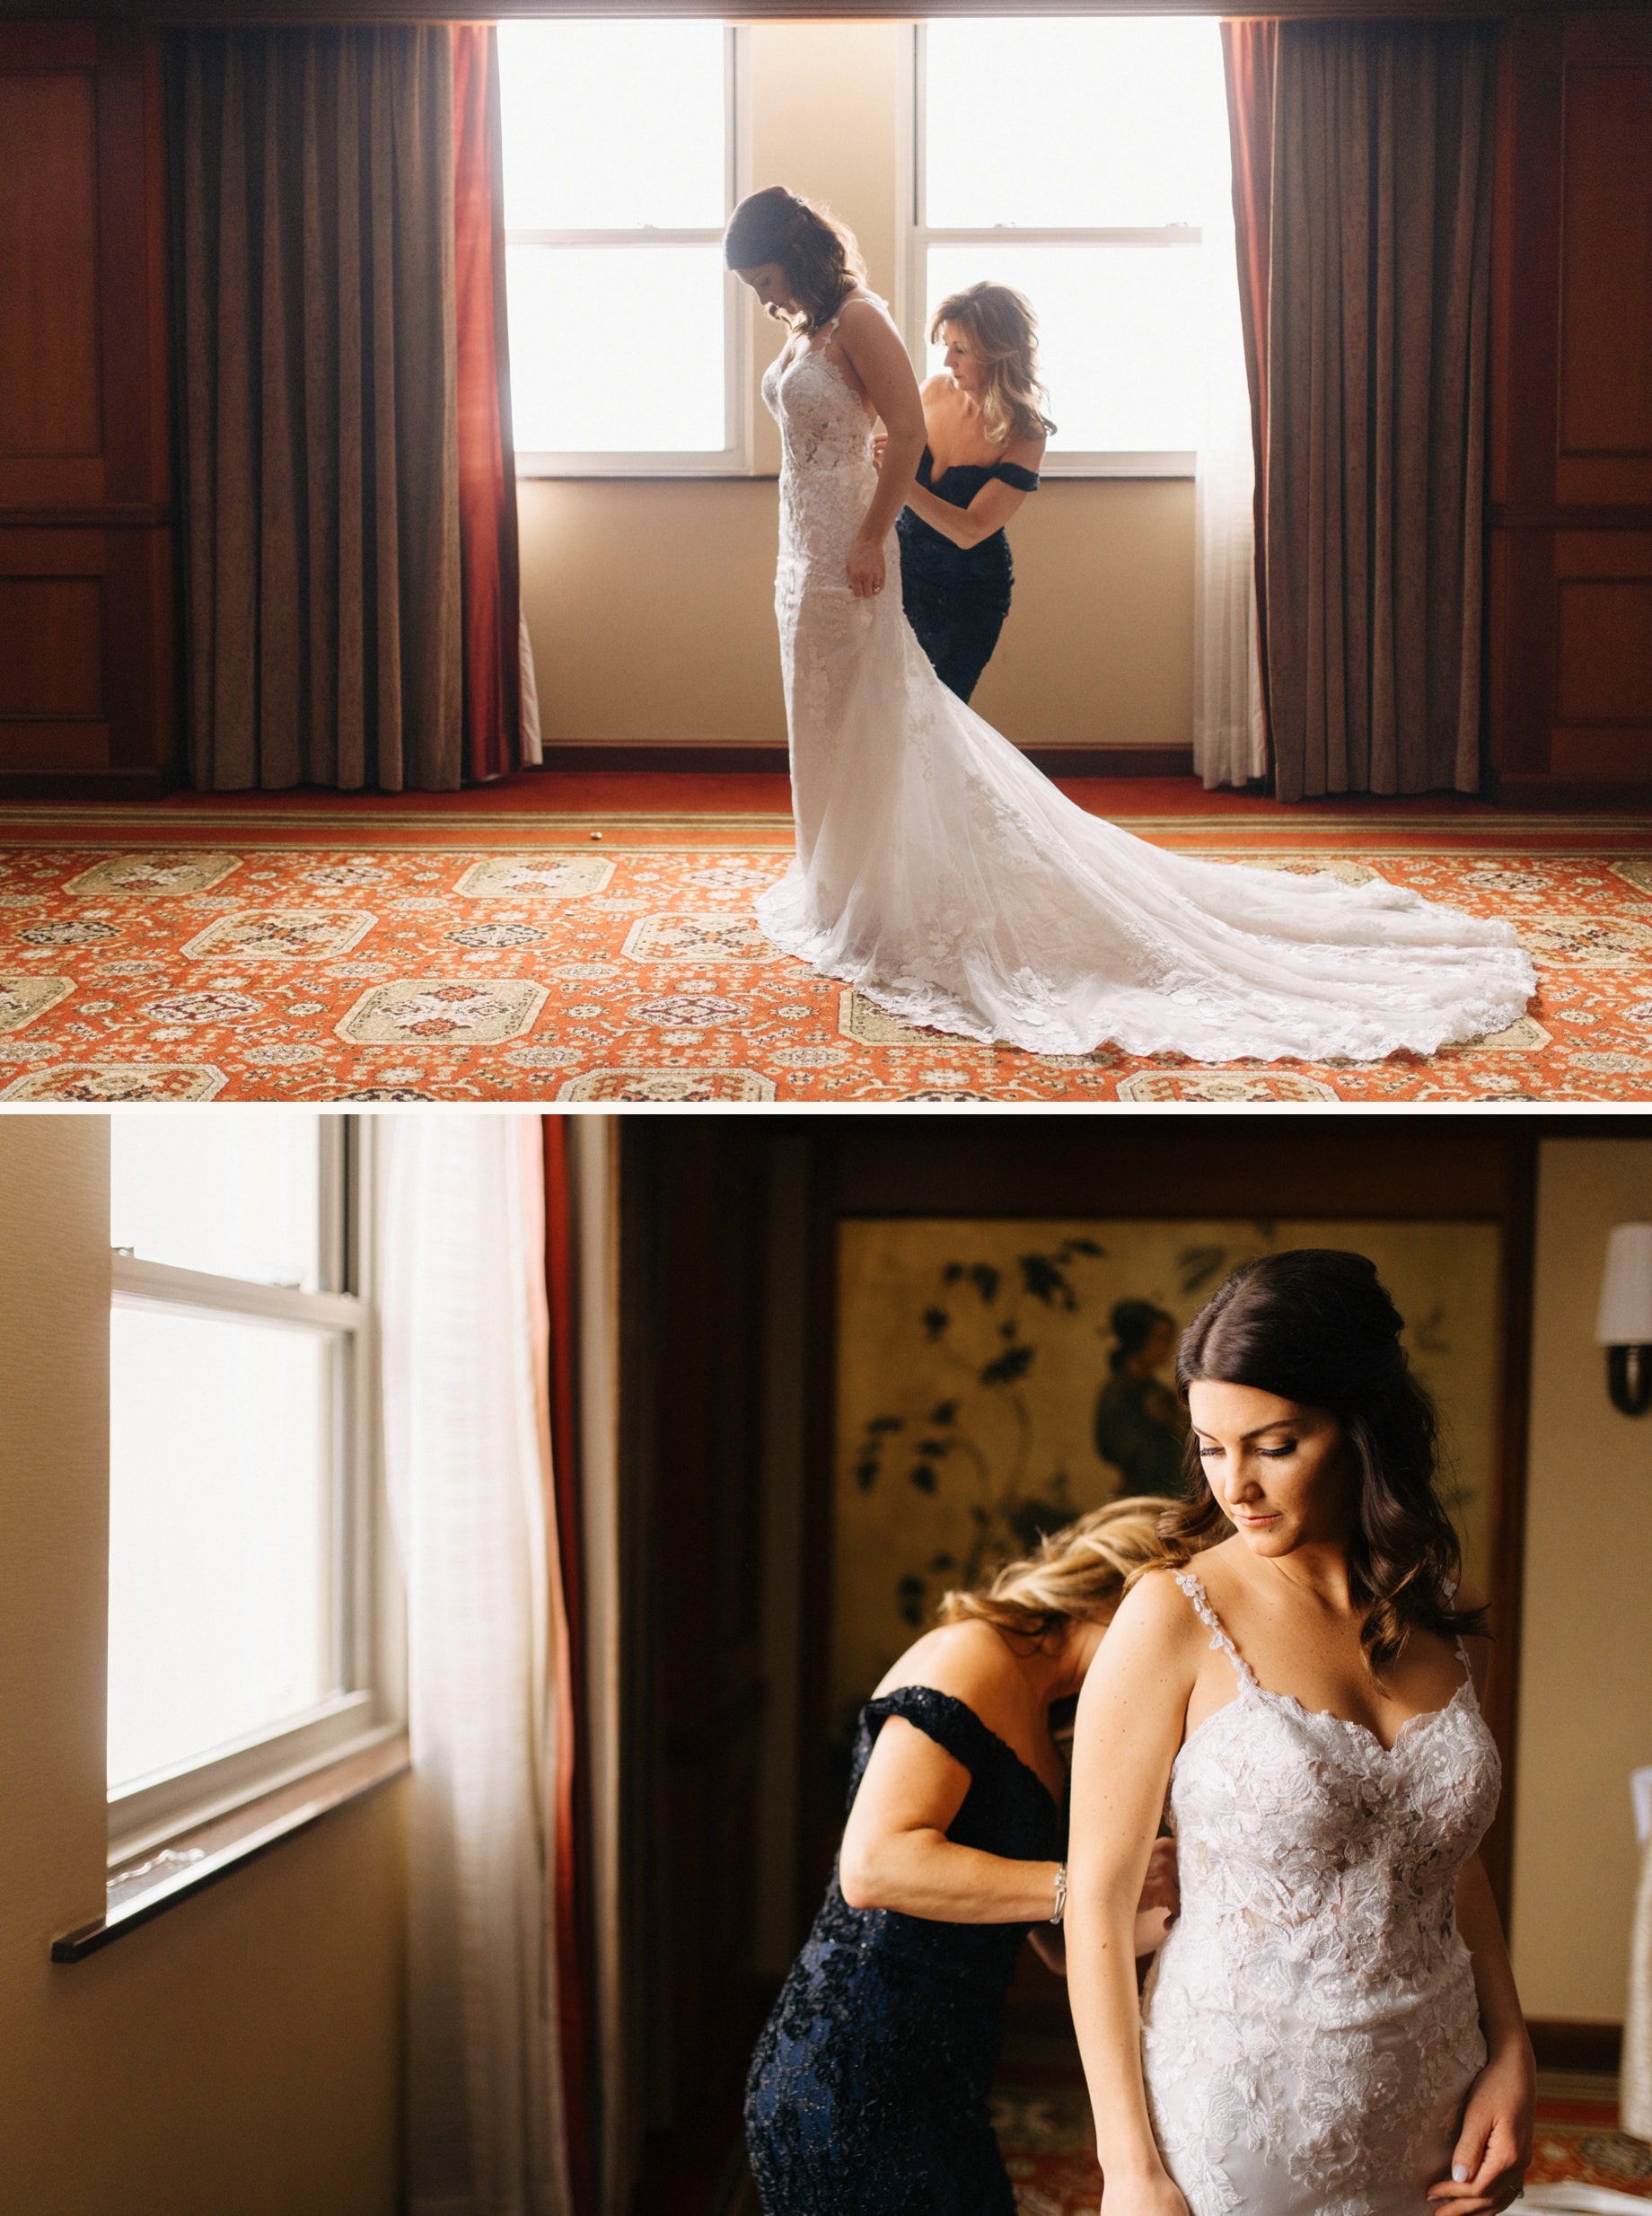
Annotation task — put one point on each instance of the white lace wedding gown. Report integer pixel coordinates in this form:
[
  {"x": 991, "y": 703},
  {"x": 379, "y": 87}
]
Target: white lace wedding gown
[
  {"x": 938, "y": 870},
  {"x": 1310, "y": 2026}
]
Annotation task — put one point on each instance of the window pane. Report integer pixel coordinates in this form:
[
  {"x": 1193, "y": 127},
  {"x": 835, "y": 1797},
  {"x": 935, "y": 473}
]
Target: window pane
[
  {"x": 611, "y": 126},
  {"x": 617, "y": 349},
  {"x": 217, "y": 1189},
  {"x": 221, "y": 1518},
  {"x": 1120, "y": 122},
  {"x": 1122, "y": 336}
]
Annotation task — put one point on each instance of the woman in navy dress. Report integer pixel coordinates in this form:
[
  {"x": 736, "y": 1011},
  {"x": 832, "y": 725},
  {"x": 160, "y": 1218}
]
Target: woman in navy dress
[
  {"x": 985, "y": 433},
  {"x": 867, "y": 2094}
]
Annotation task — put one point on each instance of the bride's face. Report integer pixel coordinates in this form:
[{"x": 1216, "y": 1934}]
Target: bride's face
[
  {"x": 1283, "y": 1473},
  {"x": 772, "y": 286}
]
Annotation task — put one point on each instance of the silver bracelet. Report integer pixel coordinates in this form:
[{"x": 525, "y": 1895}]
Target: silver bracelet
[{"x": 1060, "y": 1907}]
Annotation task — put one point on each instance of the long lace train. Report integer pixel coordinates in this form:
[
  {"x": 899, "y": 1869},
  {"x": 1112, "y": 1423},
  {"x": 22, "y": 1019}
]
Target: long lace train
[{"x": 940, "y": 872}]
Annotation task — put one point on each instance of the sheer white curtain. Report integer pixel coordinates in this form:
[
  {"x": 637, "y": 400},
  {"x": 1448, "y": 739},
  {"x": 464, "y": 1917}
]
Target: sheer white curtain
[
  {"x": 459, "y": 1256},
  {"x": 1229, "y": 735}
]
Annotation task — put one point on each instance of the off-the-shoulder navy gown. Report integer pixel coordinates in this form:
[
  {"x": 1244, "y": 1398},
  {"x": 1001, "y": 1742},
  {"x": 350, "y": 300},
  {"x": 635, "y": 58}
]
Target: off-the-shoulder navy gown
[
  {"x": 868, "y": 2089},
  {"x": 956, "y": 597}
]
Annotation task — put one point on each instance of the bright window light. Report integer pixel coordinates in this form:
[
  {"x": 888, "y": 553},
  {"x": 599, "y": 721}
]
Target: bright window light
[
  {"x": 622, "y": 387},
  {"x": 220, "y": 1191},
  {"x": 616, "y": 132},
  {"x": 1098, "y": 128},
  {"x": 613, "y": 125},
  {"x": 222, "y": 1515},
  {"x": 1120, "y": 333},
  {"x": 1075, "y": 120}
]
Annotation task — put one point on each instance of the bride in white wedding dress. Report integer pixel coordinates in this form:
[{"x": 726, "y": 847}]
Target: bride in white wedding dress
[
  {"x": 1332, "y": 2027},
  {"x": 942, "y": 874}
]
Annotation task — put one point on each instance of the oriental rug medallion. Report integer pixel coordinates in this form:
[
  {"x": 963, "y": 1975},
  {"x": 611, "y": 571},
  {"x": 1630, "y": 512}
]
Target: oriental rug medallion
[{"x": 617, "y": 960}]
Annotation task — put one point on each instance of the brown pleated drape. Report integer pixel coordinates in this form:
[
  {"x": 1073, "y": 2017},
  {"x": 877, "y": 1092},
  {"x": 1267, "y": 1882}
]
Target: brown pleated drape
[
  {"x": 1374, "y": 438},
  {"x": 1250, "y": 50},
  {"x": 314, "y": 212}
]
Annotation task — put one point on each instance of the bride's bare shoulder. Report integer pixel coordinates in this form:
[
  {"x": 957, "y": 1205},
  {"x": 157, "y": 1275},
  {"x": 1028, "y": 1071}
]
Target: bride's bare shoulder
[
  {"x": 1156, "y": 1618},
  {"x": 862, "y": 311}
]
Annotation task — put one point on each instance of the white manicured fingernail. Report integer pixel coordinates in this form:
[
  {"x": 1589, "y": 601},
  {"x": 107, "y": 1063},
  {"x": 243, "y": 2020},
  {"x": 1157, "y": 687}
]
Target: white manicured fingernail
[{"x": 1459, "y": 2174}]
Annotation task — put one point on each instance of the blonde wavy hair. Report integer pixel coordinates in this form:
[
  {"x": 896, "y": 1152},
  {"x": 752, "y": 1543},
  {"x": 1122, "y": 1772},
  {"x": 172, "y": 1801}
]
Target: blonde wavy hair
[
  {"x": 1083, "y": 1570},
  {"x": 1000, "y": 325},
  {"x": 818, "y": 254}
]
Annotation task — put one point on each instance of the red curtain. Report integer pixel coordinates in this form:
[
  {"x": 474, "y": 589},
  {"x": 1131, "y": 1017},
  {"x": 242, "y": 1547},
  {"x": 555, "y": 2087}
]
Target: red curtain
[
  {"x": 1249, "y": 51},
  {"x": 575, "y": 1983},
  {"x": 486, "y": 457}
]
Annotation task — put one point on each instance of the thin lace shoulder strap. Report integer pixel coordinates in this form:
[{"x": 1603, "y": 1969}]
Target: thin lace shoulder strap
[
  {"x": 1462, "y": 1652},
  {"x": 1208, "y": 1617}
]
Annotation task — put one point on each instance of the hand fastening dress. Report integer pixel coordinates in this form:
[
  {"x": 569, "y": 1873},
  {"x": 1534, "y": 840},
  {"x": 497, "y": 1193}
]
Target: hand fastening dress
[
  {"x": 1310, "y": 2026},
  {"x": 938, "y": 870}
]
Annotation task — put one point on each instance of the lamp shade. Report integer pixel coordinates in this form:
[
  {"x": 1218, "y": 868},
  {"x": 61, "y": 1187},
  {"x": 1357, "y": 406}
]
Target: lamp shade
[{"x": 1625, "y": 1318}]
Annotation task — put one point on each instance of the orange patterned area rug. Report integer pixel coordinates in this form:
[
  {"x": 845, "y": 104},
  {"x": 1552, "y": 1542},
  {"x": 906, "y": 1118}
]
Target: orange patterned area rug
[{"x": 617, "y": 960}]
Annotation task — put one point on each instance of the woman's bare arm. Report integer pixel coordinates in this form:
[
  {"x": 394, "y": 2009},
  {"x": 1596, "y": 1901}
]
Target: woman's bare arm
[
  {"x": 1130, "y": 1720},
  {"x": 872, "y": 346},
  {"x": 896, "y": 1853},
  {"x": 992, "y": 507}
]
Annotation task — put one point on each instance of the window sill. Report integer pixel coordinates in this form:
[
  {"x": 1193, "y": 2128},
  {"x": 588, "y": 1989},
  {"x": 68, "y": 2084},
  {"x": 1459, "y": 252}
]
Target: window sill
[{"x": 146, "y": 1886}]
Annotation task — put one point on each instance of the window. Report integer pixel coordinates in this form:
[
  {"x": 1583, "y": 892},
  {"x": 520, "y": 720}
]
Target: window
[
  {"x": 1086, "y": 162},
  {"x": 242, "y": 1609},
  {"x": 619, "y": 180}
]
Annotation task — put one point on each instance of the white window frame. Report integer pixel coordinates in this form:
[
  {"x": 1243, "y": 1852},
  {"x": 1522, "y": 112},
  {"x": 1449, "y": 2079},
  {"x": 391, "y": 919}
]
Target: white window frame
[
  {"x": 734, "y": 458},
  {"x": 366, "y": 1599},
  {"x": 920, "y": 236}
]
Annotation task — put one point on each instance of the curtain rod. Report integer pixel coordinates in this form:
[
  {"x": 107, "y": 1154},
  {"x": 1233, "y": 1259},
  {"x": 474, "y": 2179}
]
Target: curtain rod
[{"x": 237, "y": 14}]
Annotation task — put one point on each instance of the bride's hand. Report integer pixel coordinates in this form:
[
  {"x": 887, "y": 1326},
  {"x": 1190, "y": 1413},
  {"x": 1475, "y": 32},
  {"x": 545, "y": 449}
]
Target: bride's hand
[
  {"x": 866, "y": 568},
  {"x": 880, "y": 440},
  {"x": 1151, "y": 2195},
  {"x": 1494, "y": 2146}
]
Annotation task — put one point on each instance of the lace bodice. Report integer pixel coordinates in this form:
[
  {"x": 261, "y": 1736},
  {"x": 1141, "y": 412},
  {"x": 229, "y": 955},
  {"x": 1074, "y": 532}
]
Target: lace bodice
[
  {"x": 938, "y": 870},
  {"x": 824, "y": 421},
  {"x": 1311, "y": 2024}
]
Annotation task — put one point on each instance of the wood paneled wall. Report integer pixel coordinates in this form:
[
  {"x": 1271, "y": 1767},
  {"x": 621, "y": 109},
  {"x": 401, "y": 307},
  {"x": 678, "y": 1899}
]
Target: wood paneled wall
[
  {"x": 693, "y": 1207},
  {"x": 1570, "y": 680},
  {"x": 87, "y": 592}
]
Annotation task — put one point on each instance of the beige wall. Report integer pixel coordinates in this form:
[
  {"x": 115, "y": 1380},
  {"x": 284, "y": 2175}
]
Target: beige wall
[
  {"x": 243, "y": 2053},
  {"x": 650, "y": 601},
  {"x": 1586, "y": 1688}
]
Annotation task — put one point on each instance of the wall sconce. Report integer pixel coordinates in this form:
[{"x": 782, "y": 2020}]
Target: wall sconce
[{"x": 1625, "y": 1324}]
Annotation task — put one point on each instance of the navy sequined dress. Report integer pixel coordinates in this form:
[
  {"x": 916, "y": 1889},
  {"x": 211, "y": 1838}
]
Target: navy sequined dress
[
  {"x": 867, "y": 2095},
  {"x": 956, "y": 597}
]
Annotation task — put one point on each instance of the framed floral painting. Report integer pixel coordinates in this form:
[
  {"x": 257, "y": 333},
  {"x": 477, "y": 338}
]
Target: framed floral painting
[{"x": 995, "y": 1377}]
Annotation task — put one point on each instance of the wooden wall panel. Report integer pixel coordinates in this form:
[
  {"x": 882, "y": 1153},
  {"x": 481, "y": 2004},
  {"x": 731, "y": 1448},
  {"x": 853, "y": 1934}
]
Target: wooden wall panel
[
  {"x": 87, "y": 648},
  {"x": 1605, "y": 418},
  {"x": 49, "y": 410},
  {"x": 55, "y": 667},
  {"x": 1570, "y": 579}
]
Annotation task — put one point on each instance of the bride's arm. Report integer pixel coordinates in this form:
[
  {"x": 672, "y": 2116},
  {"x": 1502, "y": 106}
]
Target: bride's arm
[
  {"x": 880, "y": 361},
  {"x": 1494, "y": 2145},
  {"x": 1130, "y": 1719}
]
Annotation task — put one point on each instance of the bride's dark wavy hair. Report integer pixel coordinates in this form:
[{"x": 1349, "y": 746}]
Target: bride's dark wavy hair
[
  {"x": 818, "y": 254},
  {"x": 1316, "y": 1326}
]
